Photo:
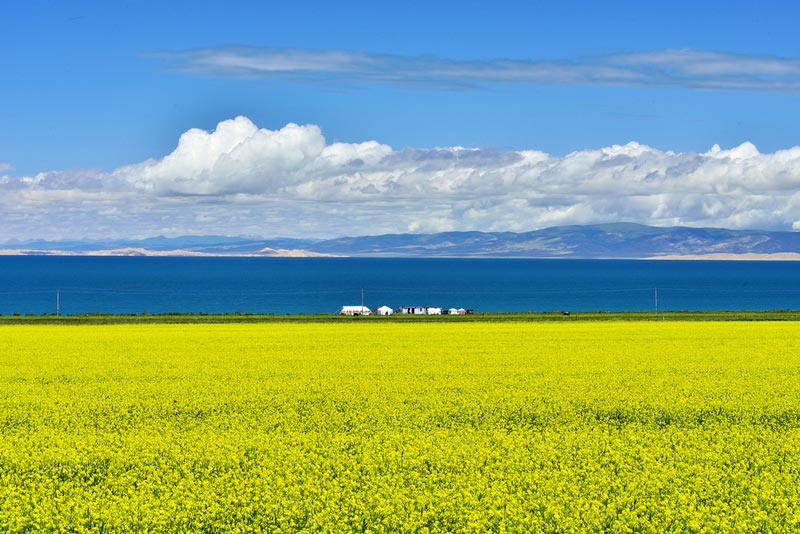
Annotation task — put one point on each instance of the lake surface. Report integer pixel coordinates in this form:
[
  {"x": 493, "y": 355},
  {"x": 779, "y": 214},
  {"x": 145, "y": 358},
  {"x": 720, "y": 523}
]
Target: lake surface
[{"x": 29, "y": 284}]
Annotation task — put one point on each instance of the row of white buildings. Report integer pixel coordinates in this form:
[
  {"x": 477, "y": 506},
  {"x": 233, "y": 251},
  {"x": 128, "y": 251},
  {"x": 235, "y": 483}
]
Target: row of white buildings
[{"x": 403, "y": 310}]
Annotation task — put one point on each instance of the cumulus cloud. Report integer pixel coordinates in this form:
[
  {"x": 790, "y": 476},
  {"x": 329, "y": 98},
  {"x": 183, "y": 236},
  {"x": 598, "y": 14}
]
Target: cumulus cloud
[
  {"x": 242, "y": 179},
  {"x": 686, "y": 68},
  {"x": 239, "y": 157}
]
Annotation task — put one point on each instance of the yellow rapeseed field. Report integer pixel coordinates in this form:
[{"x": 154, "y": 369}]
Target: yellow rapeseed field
[{"x": 393, "y": 427}]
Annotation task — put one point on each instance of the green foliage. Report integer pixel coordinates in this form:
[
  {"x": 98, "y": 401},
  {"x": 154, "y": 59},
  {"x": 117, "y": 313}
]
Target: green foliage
[
  {"x": 241, "y": 318},
  {"x": 401, "y": 427}
]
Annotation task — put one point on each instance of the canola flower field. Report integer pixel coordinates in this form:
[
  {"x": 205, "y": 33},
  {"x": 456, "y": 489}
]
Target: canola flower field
[{"x": 401, "y": 427}]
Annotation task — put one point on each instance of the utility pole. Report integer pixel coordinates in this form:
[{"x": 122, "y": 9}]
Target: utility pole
[
  {"x": 656, "y": 297},
  {"x": 362, "y": 298},
  {"x": 58, "y": 302}
]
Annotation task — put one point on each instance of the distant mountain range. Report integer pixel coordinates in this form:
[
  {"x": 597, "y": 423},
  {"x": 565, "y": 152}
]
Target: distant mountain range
[
  {"x": 615, "y": 240},
  {"x": 210, "y": 244}
]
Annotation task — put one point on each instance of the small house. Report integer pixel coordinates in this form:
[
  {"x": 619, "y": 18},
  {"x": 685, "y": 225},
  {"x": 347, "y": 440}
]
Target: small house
[
  {"x": 452, "y": 311},
  {"x": 413, "y": 310},
  {"x": 384, "y": 310},
  {"x": 462, "y": 311},
  {"x": 355, "y": 310},
  {"x": 433, "y": 310}
]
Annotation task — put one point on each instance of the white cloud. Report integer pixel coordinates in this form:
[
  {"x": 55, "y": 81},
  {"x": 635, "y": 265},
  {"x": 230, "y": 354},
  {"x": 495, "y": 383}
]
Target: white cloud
[
  {"x": 238, "y": 157},
  {"x": 5, "y": 166},
  {"x": 241, "y": 179},
  {"x": 687, "y": 68}
]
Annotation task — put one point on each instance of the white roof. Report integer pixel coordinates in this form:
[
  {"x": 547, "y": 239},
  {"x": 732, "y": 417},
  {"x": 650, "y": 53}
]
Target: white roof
[{"x": 355, "y": 308}]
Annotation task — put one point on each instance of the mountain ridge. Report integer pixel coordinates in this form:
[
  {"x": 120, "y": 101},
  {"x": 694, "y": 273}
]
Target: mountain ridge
[{"x": 609, "y": 240}]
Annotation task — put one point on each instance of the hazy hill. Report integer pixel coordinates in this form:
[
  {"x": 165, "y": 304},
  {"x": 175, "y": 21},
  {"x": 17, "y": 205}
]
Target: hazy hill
[{"x": 616, "y": 240}]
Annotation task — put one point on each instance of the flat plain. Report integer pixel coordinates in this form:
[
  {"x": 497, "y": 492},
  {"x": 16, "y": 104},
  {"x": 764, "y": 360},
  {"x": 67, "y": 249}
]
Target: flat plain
[{"x": 625, "y": 426}]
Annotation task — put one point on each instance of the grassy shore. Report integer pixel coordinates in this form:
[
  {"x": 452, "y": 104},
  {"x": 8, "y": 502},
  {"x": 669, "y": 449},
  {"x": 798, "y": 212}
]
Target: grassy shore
[{"x": 203, "y": 318}]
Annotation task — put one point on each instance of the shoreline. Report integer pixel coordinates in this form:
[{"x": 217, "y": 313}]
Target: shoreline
[
  {"x": 534, "y": 317},
  {"x": 302, "y": 253},
  {"x": 176, "y": 253},
  {"x": 749, "y": 256}
]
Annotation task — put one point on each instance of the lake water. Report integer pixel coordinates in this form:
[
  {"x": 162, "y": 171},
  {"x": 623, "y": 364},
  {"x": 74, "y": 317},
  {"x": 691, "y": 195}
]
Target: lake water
[{"x": 29, "y": 284}]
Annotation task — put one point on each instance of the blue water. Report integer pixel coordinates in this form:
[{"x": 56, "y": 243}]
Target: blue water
[{"x": 322, "y": 285}]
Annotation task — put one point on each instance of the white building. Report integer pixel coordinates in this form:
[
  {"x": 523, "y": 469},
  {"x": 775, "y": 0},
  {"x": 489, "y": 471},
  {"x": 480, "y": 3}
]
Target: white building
[
  {"x": 413, "y": 310},
  {"x": 452, "y": 311},
  {"x": 420, "y": 310},
  {"x": 384, "y": 310},
  {"x": 355, "y": 310}
]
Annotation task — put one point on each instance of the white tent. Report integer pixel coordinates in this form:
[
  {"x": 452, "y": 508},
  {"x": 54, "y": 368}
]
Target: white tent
[
  {"x": 384, "y": 310},
  {"x": 434, "y": 310},
  {"x": 355, "y": 310},
  {"x": 452, "y": 311}
]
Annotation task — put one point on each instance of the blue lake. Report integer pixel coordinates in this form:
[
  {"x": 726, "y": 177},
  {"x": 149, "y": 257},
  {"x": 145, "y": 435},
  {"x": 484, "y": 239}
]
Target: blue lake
[{"x": 28, "y": 284}]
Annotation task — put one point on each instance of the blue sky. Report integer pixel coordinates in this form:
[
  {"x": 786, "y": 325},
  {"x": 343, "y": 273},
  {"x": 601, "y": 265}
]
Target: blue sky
[{"x": 90, "y": 88}]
